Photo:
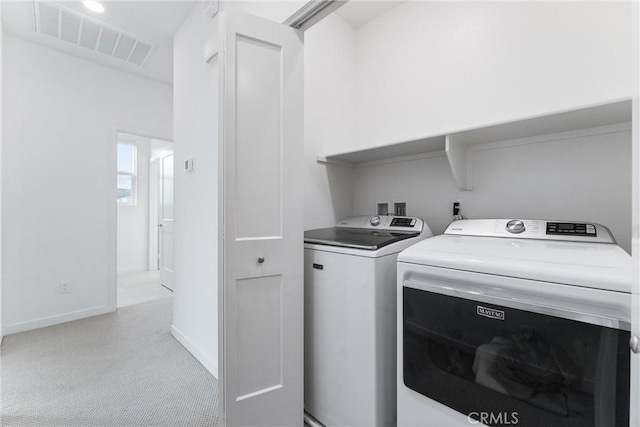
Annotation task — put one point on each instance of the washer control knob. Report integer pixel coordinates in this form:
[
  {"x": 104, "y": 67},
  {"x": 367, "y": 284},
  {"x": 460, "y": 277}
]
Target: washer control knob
[
  {"x": 375, "y": 220},
  {"x": 515, "y": 226}
]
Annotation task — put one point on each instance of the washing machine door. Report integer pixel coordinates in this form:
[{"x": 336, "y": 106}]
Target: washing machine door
[{"x": 503, "y": 365}]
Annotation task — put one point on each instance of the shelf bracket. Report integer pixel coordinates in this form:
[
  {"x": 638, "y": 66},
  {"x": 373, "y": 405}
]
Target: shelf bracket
[
  {"x": 459, "y": 161},
  {"x": 328, "y": 161}
]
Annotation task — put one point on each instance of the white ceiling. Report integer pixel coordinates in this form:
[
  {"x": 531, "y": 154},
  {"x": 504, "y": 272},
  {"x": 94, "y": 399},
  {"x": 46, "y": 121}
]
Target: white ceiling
[
  {"x": 153, "y": 21},
  {"x": 359, "y": 12}
]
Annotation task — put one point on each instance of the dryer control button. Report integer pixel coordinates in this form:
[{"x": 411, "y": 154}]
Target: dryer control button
[
  {"x": 515, "y": 226},
  {"x": 375, "y": 220}
]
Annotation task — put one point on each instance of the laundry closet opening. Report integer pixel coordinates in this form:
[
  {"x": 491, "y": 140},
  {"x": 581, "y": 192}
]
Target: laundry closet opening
[{"x": 457, "y": 110}]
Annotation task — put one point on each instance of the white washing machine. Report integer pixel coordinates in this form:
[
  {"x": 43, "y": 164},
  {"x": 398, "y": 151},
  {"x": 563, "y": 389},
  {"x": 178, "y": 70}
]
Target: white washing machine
[
  {"x": 350, "y": 318},
  {"x": 514, "y": 322}
]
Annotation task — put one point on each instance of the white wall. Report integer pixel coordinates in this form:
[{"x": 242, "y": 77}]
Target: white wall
[
  {"x": 133, "y": 220},
  {"x": 160, "y": 148},
  {"x": 329, "y": 125},
  {"x": 428, "y": 68},
  {"x": 195, "y": 300},
  {"x": 59, "y": 115},
  {"x": 584, "y": 179}
]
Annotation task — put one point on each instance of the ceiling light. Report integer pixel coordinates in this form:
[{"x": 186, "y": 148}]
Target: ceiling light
[{"x": 94, "y": 6}]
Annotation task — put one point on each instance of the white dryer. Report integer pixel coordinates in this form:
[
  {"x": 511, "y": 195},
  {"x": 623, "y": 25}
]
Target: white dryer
[
  {"x": 350, "y": 318},
  {"x": 514, "y": 322}
]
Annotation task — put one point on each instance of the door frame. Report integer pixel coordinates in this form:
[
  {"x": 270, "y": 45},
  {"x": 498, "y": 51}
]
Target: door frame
[
  {"x": 165, "y": 226},
  {"x": 112, "y": 222},
  {"x": 154, "y": 214},
  {"x": 634, "y": 406},
  {"x": 154, "y": 209}
]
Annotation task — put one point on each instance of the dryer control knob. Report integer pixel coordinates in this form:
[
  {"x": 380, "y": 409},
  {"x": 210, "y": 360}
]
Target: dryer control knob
[
  {"x": 515, "y": 226},
  {"x": 375, "y": 220}
]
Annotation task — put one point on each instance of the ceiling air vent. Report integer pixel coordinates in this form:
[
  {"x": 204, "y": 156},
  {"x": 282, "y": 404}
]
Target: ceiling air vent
[{"x": 73, "y": 27}]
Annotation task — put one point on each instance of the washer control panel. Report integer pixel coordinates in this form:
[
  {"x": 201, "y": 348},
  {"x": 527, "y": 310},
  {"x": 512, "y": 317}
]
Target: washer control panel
[
  {"x": 571, "y": 228},
  {"x": 515, "y": 226},
  {"x": 389, "y": 223},
  {"x": 403, "y": 222},
  {"x": 568, "y": 231}
]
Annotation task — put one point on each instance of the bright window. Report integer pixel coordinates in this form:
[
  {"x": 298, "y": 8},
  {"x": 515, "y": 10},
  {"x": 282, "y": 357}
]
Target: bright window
[{"x": 127, "y": 173}]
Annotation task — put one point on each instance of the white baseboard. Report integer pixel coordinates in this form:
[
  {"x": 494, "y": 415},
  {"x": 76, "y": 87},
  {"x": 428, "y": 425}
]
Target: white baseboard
[
  {"x": 207, "y": 362},
  {"x": 54, "y": 320}
]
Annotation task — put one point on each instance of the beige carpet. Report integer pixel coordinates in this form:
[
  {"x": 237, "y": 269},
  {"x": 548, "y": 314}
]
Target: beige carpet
[{"x": 118, "y": 369}]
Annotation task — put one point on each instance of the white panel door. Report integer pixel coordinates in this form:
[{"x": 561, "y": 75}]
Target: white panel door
[
  {"x": 261, "y": 313},
  {"x": 165, "y": 235}
]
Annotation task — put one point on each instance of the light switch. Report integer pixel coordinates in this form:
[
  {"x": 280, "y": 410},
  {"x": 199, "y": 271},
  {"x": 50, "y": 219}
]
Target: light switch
[{"x": 188, "y": 166}]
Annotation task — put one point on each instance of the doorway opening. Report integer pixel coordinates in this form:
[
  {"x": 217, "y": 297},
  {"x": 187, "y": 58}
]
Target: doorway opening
[{"x": 144, "y": 219}]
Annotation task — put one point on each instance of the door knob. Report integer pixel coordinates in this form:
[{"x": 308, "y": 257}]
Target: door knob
[
  {"x": 260, "y": 259},
  {"x": 634, "y": 343},
  {"x": 160, "y": 225}
]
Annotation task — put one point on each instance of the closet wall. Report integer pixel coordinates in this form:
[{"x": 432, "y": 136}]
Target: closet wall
[
  {"x": 329, "y": 121},
  {"x": 586, "y": 178},
  {"x": 196, "y": 95},
  {"x": 428, "y": 68}
]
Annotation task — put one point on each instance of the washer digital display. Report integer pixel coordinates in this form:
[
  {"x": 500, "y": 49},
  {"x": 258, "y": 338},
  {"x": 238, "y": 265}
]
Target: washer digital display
[
  {"x": 403, "y": 222},
  {"x": 573, "y": 228}
]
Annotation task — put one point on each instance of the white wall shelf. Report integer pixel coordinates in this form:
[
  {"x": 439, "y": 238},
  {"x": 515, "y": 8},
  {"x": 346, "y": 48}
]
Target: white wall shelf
[
  {"x": 457, "y": 145},
  {"x": 435, "y": 144}
]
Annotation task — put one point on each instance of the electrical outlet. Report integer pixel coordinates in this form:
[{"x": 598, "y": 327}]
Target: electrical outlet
[
  {"x": 65, "y": 286},
  {"x": 400, "y": 208},
  {"x": 383, "y": 209},
  {"x": 456, "y": 207}
]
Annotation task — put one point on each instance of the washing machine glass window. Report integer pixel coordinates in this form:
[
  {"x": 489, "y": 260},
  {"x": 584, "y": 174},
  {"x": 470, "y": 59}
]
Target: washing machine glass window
[{"x": 529, "y": 368}]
